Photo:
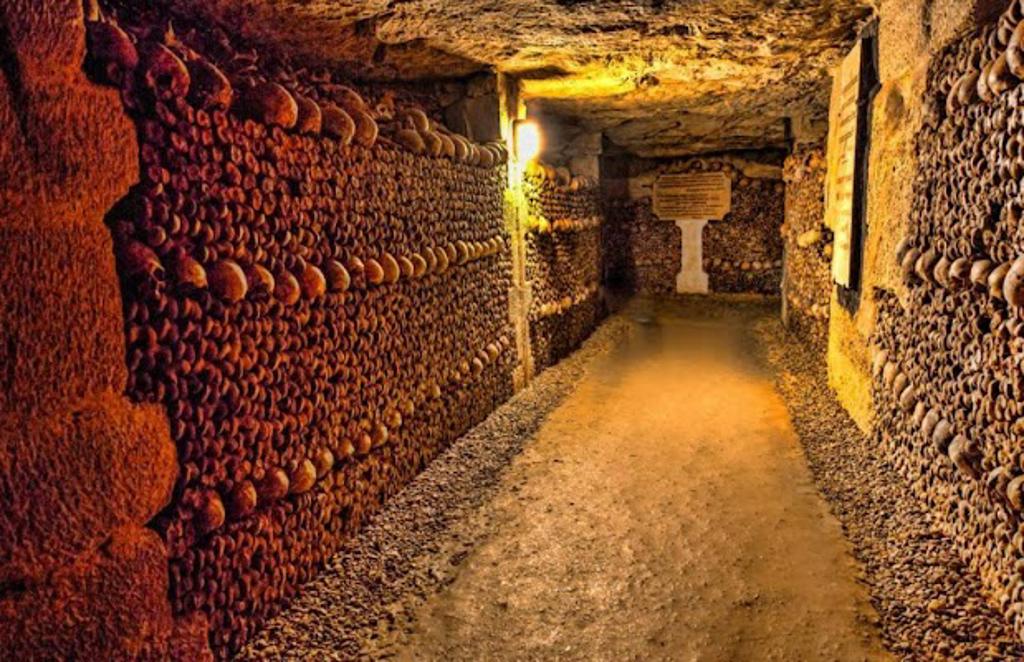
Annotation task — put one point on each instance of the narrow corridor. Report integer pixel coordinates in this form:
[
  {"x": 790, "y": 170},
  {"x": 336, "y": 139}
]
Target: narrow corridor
[
  {"x": 664, "y": 511},
  {"x": 429, "y": 330}
]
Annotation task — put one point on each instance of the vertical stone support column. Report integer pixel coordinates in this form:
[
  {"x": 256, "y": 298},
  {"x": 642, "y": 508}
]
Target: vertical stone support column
[
  {"x": 785, "y": 311},
  {"x": 585, "y": 155},
  {"x": 692, "y": 279},
  {"x": 512, "y": 108}
]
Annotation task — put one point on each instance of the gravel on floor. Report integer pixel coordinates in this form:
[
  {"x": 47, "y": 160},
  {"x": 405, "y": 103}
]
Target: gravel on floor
[
  {"x": 930, "y": 605},
  {"x": 413, "y": 546},
  {"x": 664, "y": 511}
]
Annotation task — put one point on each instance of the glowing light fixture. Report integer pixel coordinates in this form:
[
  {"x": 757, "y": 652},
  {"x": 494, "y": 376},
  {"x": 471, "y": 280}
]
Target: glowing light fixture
[{"x": 528, "y": 140}]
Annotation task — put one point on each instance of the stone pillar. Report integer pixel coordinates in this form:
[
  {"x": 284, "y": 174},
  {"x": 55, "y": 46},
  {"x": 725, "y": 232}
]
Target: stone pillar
[
  {"x": 692, "y": 279},
  {"x": 585, "y": 155},
  {"x": 478, "y": 114},
  {"x": 511, "y": 108},
  {"x": 785, "y": 312}
]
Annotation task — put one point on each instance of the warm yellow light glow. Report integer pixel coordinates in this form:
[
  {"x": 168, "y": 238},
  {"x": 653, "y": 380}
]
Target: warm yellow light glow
[{"x": 528, "y": 140}]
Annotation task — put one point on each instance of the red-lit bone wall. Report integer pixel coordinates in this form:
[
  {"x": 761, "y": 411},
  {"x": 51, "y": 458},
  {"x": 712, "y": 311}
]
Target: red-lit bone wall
[
  {"x": 320, "y": 311},
  {"x": 283, "y": 298}
]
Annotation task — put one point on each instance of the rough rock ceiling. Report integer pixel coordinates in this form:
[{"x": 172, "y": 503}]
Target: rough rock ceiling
[{"x": 661, "y": 77}]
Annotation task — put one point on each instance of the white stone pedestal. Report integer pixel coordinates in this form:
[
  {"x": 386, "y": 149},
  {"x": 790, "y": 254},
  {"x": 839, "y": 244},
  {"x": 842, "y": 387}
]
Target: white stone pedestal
[{"x": 692, "y": 279}]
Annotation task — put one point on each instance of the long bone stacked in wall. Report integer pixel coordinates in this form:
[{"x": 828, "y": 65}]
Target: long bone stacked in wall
[
  {"x": 563, "y": 261},
  {"x": 317, "y": 291},
  {"x": 948, "y": 379}
]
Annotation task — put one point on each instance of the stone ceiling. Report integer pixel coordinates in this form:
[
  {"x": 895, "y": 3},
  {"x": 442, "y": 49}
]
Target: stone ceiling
[{"x": 660, "y": 77}]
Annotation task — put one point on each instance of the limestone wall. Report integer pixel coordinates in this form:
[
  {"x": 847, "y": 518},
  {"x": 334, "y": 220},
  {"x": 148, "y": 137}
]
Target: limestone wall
[{"x": 83, "y": 466}]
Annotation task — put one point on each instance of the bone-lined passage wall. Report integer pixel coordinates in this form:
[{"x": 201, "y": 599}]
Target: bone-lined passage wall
[
  {"x": 319, "y": 302},
  {"x": 642, "y": 253},
  {"x": 297, "y": 403},
  {"x": 563, "y": 261},
  {"x": 742, "y": 252},
  {"x": 948, "y": 384},
  {"x": 807, "y": 281}
]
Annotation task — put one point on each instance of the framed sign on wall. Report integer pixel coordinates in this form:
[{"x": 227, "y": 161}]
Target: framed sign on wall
[
  {"x": 693, "y": 196},
  {"x": 854, "y": 86}
]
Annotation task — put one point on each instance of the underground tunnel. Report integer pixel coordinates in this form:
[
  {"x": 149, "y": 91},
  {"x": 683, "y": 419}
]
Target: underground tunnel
[{"x": 544, "y": 329}]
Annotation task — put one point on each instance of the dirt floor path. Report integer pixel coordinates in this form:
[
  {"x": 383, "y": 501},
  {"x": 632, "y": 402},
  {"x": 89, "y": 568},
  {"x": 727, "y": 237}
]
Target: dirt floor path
[{"x": 663, "y": 511}]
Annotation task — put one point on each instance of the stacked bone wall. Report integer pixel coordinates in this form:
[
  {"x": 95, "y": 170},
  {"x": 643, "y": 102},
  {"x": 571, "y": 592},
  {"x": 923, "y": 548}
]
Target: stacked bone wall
[
  {"x": 947, "y": 364},
  {"x": 83, "y": 466},
  {"x": 641, "y": 252},
  {"x": 807, "y": 281},
  {"x": 742, "y": 252},
  {"x": 563, "y": 263},
  {"x": 381, "y": 377},
  {"x": 319, "y": 313}
]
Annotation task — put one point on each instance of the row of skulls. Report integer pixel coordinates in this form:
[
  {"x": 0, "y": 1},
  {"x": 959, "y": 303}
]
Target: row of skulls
[
  {"x": 172, "y": 70},
  {"x": 947, "y": 379},
  {"x": 558, "y": 177},
  {"x": 563, "y": 261},
  {"x": 559, "y": 201},
  {"x": 319, "y": 304}
]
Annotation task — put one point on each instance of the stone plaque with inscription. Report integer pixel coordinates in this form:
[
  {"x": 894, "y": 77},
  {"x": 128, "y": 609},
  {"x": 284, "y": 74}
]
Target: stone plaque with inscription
[
  {"x": 844, "y": 118},
  {"x": 691, "y": 200},
  {"x": 694, "y": 196}
]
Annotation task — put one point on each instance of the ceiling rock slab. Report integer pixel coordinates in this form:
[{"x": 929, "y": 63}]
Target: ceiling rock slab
[{"x": 657, "y": 75}]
